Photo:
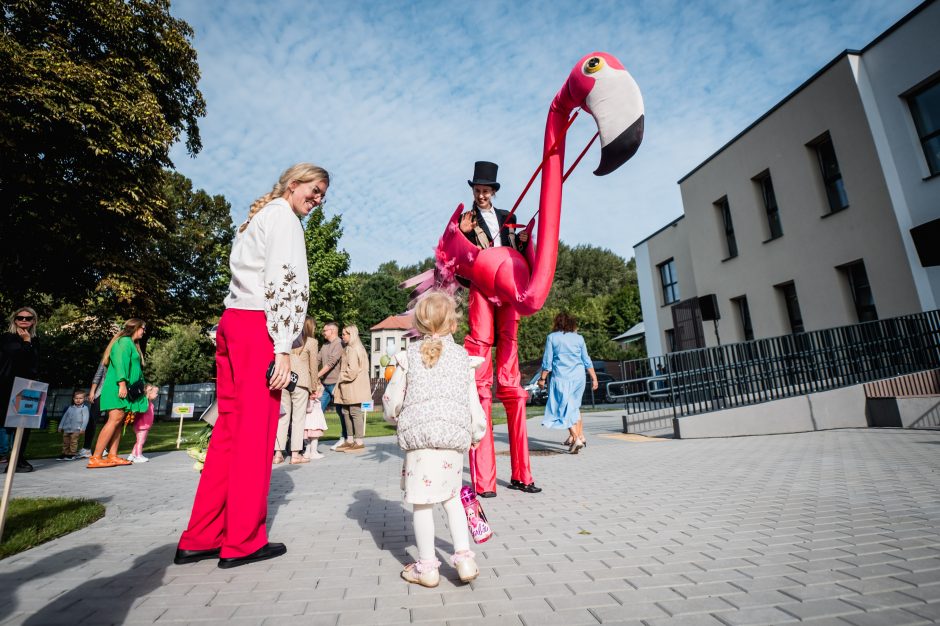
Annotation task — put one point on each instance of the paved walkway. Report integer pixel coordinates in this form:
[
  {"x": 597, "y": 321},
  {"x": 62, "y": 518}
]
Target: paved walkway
[{"x": 825, "y": 528}]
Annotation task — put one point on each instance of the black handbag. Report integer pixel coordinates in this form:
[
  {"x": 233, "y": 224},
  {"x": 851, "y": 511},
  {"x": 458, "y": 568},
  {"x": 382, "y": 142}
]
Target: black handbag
[{"x": 135, "y": 391}]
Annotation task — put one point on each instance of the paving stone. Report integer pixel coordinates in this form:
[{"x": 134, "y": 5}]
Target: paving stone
[
  {"x": 894, "y": 617},
  {"x": 768, "y": 616},
  {"x": 819, "y": 608}
]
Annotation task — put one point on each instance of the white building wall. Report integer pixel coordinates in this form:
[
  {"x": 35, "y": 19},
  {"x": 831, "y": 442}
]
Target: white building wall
[
  {"x": 886, "y": 70},
  {"x": 645, "y": 276}
]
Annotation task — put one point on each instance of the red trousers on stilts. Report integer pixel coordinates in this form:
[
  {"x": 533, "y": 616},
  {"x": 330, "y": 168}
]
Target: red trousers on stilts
[
  {"x": 231, "y": 503},
  {"x": 489, "y": 322}
]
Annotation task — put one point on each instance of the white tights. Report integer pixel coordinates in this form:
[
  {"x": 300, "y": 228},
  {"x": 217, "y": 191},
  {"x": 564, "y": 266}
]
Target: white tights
[{"x": 424, "y": 527}]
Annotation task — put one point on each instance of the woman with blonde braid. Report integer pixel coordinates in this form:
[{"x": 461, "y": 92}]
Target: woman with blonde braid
[
  {"x": 264, "y": 312},
  {"x": 353, "y": 389},
  {"x": 122, "y": 391}
]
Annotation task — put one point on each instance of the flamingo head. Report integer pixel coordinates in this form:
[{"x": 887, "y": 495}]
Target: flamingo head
[{"x": 600, "y": 85}]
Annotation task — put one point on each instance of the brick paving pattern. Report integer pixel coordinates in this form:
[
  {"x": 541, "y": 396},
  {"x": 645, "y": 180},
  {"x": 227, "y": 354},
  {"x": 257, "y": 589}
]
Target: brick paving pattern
[{"x": 838, "y": 527}]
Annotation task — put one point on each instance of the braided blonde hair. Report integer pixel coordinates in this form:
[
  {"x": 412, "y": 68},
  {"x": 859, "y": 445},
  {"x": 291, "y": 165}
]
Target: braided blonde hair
[
  {"x": 435, "y": 316},
  {"x": 301, "y": 173}
]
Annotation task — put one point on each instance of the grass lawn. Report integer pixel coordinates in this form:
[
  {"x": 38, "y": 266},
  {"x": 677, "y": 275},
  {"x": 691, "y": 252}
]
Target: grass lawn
[
  {"x": 32, "y": 521},
  {"x": 162, "y": 437}
]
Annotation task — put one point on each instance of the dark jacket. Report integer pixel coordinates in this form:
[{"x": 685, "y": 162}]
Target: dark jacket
[
  {"x": 17, "y": 358},
  {"x": 507, "y": 236}
]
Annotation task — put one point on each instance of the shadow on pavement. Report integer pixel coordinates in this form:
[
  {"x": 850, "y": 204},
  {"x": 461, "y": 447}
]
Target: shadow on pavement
[
  {"x": 51, "y": 564},
  {"x": 282, "y": 484},
  {"x": 108, "y": 600},
  {"x": 375, "y": 514}
]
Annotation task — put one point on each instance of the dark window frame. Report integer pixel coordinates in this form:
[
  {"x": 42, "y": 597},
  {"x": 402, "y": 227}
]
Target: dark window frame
[
  {"x": 765, "y": 186},
  {"x": 670, "y": 288},
  {"x": 923, "y": 134},
  {"x": 791, "y": 304},
  {"x": 837, "y": 198},
  {"x": 670, "y": 334},
  {"x": 744, "y": 317},
  {"x": 863, "y": 298},
  {"x": 731, "y": 242}
]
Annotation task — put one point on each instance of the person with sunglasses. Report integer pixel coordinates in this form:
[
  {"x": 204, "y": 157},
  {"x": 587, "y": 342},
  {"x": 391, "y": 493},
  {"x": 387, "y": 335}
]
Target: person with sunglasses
[
  {"x": 19, "y": 357},
  {"x": 264, "y": 312}
]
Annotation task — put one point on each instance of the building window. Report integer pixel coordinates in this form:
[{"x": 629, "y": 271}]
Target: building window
[
  {"x": 725, "y": 210},
  {"x": 667, "y": 275},
  {"x": 390, "y": 343},
  {"x": 376, "y": 372},
  {"x": 744, "y": 314},
  {"x": 862, "y": 296},
  {"x": 792, "y": 304},
  {"x": 925, "y": 109},
  {"x": 404, "y": 343},
  {"x": 770, "y": 204},
  {"x": 377, "y": 345},
  {"x": 831, "y": 174},
  {"x": 670, "y": 340}
]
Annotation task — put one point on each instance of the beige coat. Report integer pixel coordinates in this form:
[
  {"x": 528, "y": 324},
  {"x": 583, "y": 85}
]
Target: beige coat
[
  {"x": 353, "y": 386},
  {"x": 303, "y": 362}
]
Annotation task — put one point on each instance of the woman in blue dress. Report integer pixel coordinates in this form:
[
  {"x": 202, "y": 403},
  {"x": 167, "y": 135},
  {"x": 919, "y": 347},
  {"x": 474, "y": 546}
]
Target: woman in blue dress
[{"x": 566, "y": 358}]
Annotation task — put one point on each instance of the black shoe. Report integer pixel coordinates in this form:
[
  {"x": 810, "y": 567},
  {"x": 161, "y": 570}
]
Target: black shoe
[
  {"x": 268, "y": 551},
  {"x": 487, "y": 494},
  {"x": 23, "y": 467},
  {"x": 521, "y": 486},
  {"x": 63, "y": 457},
  {"x": 191, "y": 556}
]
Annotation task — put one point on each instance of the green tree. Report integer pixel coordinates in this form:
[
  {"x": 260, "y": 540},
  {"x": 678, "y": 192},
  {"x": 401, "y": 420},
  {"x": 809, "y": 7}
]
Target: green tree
[
  {"x": 71, "y": 345},
  {"x": 185, "y": 355},
  {"x": 330, "y": 285},
  {"x": 92, "y": 96},
  {"x": 376, "y": 297},
  {"x": 197, "y": 248}
]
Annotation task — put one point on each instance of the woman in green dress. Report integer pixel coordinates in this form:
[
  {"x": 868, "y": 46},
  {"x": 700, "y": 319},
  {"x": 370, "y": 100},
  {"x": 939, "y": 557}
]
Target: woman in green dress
[{"x": 125, "y": 361}]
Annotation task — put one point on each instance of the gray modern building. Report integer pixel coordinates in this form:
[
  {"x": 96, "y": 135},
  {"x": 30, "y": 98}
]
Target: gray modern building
[{"x": 823, "y": 212}]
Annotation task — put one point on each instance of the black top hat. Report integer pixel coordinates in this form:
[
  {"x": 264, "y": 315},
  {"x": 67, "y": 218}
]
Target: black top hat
[{"x": 484, "y": 173}]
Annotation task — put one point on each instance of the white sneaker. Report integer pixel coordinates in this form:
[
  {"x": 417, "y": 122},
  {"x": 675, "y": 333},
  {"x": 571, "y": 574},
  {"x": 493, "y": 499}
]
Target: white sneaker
[
  {"x": 140, "y": 459},
  {"x": 131, "y": 457},
  {"x": 338, "y": 443},
  {"x": 84, "y": 453},
  {"x": 315, "y": 455}
]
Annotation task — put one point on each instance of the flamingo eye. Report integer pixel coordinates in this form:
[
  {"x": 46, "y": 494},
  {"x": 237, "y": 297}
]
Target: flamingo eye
[{"x": 593, "y": 65}]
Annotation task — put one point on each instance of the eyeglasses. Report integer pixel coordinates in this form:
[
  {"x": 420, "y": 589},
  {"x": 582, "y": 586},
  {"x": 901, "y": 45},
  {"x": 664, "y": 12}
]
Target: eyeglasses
[{"x": 24, "y": 318}]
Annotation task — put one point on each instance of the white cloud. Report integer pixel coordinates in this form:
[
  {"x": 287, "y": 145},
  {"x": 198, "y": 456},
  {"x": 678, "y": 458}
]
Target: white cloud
[{"x": 399, "y": 99}]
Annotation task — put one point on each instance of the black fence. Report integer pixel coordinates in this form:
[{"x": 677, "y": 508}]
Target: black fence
[{"x": 740, "y": 374}]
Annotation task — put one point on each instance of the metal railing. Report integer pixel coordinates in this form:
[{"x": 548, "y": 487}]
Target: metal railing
[{"x": 740, "y": 374}]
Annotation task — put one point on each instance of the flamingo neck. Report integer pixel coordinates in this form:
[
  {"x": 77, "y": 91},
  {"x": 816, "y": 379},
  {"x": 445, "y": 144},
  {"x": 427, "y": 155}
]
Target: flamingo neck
[{"x": 546, "y": 254}]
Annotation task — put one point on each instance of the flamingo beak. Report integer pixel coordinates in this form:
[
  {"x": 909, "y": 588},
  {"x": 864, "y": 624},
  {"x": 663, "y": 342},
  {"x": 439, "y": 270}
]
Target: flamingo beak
[{"x": 617, "y": 107}]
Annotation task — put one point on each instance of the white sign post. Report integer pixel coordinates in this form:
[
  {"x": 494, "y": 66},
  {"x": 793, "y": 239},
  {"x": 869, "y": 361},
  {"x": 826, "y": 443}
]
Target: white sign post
[
  {"x": 184, "y": 410},
  {"x": 27, "y": 401}
]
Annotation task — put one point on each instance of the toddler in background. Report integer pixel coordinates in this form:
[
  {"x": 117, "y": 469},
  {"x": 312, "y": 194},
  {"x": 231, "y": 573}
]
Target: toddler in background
[
  {"x": 432, "y": 397},
  {"x": 142, "y": 423},
  {"x": 74, "y": 422}
]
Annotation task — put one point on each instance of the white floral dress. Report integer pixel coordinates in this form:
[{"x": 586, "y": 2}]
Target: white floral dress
[{"x": 430, "y": 476}]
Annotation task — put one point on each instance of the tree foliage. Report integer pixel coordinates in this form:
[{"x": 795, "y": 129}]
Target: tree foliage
[
  {"x": 330, "y": 285},
  {"x": 185, "y": 355},
  {"x": 92, "y": 96},
  {"x": 196, "y": 250}
]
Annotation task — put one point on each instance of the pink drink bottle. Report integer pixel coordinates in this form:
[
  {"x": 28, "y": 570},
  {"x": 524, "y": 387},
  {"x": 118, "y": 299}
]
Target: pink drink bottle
[{"x": 476, "y": 520}]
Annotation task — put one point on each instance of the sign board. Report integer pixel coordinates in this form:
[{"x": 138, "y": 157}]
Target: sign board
[
  {"x": 367, "y": 406},
  {"x": 27, "y": 401},
  {"x": 183, "y": 409}
]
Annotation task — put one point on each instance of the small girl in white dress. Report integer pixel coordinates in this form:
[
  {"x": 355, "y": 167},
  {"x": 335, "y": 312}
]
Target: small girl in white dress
[{"x": 432, "y": 397}]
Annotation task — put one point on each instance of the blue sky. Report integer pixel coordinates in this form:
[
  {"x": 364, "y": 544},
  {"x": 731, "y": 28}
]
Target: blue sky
[{"x": 398, "y": 99}]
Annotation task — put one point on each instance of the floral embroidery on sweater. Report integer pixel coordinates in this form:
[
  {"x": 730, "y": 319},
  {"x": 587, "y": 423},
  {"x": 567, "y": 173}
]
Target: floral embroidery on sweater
[{"x": 285, "y": 304}]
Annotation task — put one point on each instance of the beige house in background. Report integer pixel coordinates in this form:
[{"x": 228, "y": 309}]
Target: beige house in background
[
  {"x": 389, "y": 334},
  {"x": 804, "y": 220}
]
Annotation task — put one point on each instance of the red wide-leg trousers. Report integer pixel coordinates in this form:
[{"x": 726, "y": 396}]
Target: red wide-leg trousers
[
  {"x": 232, "y": 498},
  {"x": 489, "y": 322}
]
